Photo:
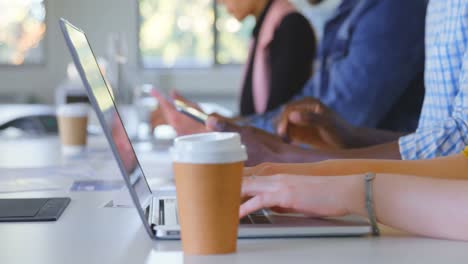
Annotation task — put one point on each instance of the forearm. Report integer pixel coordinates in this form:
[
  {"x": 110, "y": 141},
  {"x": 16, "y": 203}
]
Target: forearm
[
  {"x": 388, "y": 151},
  {"x": 360, "y": 137},
  {"x": 424, "y": 206},
  {"x": 452, "y": 167}
]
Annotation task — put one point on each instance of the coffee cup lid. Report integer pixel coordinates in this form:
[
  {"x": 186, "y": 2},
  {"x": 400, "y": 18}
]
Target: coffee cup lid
[
  {"x": 73, "y": 110},
  {"x": 209, "y": 148}
]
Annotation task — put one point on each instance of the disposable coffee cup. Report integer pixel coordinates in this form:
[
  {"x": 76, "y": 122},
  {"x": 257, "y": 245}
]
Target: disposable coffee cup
[
  {"x": 208, "y": 171},
  {"x": 72, "y": 123}
]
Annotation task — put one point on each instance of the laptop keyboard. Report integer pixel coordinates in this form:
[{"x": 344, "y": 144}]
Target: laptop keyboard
[
  {"x": 257, "y": 218},
  {"x": 168, "y": 215}
]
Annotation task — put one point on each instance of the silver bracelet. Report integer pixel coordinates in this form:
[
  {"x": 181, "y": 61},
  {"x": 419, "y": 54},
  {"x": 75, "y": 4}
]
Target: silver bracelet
[{"x": 370, "y": 204}]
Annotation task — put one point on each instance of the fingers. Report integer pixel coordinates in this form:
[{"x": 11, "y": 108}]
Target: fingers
[
  {"x": 174, "y": 94},
  {"x": 216, "y": 123},
  {"x": 298, "y": 109},
  {"x": 252, "y": 171},
  {"x": 177, "y": 96},
  {"x": 301, "y": 118},
  {"x": 249, "y": 171},
  {"x": 252, "y": 187},
  {"x": 164, "y": 103},
  {"x": 181, "y": 123},
  {"x": 283, "y": 122},
  {"x": 259, "y": 202},
  {"x": 266, "y": 192},
  {"x": 282, "y": 128},
  {"x": 212, "y": 123}
]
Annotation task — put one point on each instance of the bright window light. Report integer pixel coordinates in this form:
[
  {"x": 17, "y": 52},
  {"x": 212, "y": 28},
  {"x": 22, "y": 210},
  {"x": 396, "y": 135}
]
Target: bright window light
[{"x": 22, "y": 30}]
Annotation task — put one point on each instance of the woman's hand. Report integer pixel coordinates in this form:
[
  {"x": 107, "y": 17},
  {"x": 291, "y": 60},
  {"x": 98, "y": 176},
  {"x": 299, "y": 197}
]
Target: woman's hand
[
  {"x": 311, "y": 196},
  {"x": 181, "y": 123}
]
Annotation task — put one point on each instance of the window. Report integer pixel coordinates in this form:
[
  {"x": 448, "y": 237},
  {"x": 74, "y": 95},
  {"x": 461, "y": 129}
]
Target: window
[
  {"x": 190, "y": 34},
  {"x": 22, "y": 30}
]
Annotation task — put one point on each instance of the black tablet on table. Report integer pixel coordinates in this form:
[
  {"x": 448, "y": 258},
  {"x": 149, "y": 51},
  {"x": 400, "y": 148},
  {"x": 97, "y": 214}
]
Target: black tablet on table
[{"x": 32, "y": 210}]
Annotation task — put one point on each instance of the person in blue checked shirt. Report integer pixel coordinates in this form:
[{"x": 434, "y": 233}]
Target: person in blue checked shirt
[{"x": 442, "y": 129}]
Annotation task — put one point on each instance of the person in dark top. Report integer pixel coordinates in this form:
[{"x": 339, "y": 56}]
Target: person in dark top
[
  {"x": 370, "y": 74},
  {"x": 281, "y": 53}
]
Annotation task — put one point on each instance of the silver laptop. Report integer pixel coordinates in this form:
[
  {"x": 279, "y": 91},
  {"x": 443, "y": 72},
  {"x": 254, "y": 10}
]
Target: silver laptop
[{"x": 158, "y": 210}]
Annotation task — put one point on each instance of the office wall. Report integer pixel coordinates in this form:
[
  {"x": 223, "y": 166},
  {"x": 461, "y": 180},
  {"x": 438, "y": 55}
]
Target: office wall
[{"x": 99, "y": 18}]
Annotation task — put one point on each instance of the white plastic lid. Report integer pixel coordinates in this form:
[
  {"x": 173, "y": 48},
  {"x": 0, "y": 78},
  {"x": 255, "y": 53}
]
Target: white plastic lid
[
  {"x": 73, "y": 110},
  {"x": 209, "y": 148}
]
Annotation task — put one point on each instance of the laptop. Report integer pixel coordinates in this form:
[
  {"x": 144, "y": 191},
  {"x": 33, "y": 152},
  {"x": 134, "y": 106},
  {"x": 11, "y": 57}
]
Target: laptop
[{"x": 158, "y": 210}]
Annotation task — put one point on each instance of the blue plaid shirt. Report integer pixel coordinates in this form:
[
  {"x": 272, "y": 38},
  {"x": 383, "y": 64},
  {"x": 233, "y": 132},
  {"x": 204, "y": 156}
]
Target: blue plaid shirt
[{"x": 443, "y": 126}]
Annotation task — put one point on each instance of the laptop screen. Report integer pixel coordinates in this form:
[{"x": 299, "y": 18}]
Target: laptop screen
[{"x": 104, "y": 105}]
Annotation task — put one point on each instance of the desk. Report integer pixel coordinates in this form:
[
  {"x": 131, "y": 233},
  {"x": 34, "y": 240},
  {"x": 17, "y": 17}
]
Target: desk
[{"x": 89, "y": 233}]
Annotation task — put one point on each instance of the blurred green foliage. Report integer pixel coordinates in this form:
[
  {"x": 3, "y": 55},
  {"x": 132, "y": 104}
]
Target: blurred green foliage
[
  {"x": 22, "y": 29},
  {"x": 180, "y": 33}
]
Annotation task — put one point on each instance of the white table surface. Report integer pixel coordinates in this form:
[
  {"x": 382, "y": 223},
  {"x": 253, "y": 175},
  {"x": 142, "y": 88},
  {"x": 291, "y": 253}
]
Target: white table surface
[{"x": 89, "y": 233}]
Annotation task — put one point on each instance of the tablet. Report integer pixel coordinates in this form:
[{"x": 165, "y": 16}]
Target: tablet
[
  {"x": 32, "y": 210},
  {"x": 191, "y": 112}
]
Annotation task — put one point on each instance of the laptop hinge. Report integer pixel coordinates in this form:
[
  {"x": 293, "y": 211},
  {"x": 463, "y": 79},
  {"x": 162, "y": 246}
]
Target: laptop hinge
[{"x": 154, "y": 214}]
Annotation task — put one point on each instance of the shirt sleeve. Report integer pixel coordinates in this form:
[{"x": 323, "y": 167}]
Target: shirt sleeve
[
  {"x": 291, "y": 56},
  {"x": 446, "y": 138},
  {"x": 267, "y": 121},
  {"x": 384, "y": 57},
  {"x": 264, "y": 121}
]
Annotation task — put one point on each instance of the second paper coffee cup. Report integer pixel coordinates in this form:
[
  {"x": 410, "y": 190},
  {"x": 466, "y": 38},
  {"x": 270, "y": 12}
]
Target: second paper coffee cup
[
  {"x": 208, "y": 172},
  {"x": 72, "y": 123}
]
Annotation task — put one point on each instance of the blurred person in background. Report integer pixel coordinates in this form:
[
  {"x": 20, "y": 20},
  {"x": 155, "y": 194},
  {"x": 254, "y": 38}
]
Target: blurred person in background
[
  {"x": 370, "y": 70},
  {"x": 281, "y": 53},
  {"x": 282, "y": 50},
  {"x": 442, "y": 129}
]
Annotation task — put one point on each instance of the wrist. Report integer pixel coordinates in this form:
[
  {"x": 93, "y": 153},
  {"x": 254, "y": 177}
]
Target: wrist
[
  {"x": 291, "y": 155},
  {"x": 355, "y": 195},
  {"x": 350, "y": 136},
  {"x": 295, "y": 154}
]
